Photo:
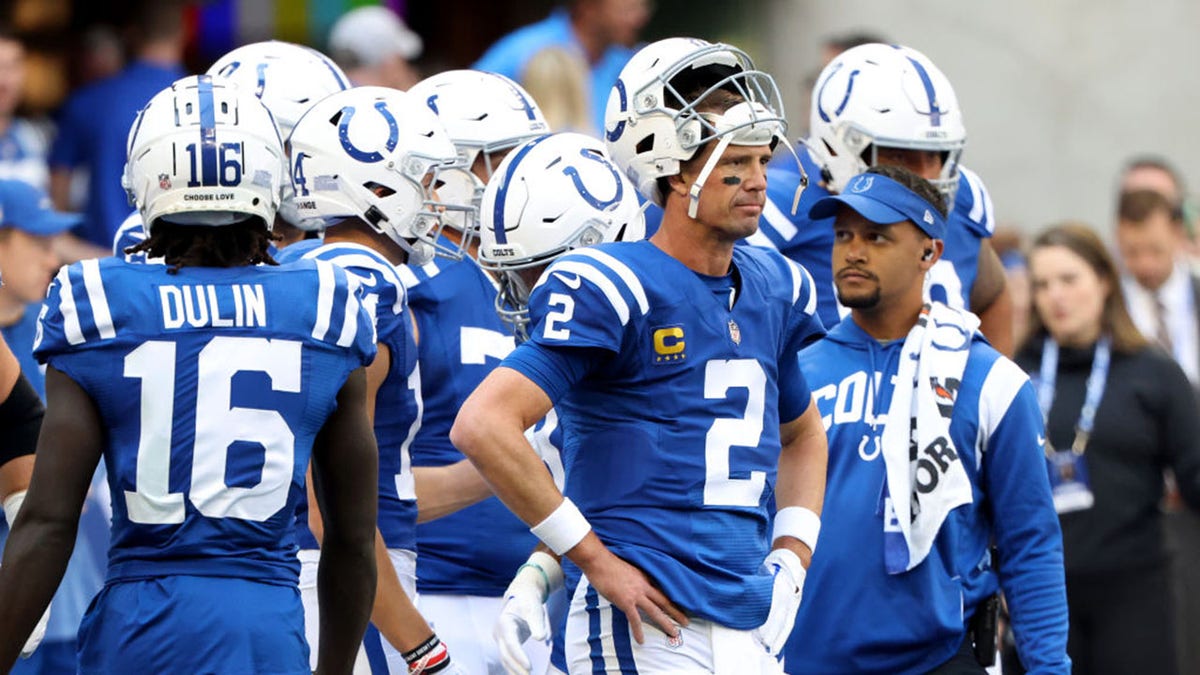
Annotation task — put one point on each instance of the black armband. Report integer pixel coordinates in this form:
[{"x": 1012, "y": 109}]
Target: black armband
[{"x": 20, "y": 421}]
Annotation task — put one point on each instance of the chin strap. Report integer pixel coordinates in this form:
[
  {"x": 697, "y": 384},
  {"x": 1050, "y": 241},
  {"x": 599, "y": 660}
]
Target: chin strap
[{"x": 694, "y": 193}]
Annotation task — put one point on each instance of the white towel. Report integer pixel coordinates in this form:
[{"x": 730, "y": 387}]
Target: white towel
[{"x": 925, "y": 477}]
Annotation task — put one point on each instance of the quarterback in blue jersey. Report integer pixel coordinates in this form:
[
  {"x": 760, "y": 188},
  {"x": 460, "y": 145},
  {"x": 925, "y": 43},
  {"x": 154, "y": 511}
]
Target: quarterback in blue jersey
[
  {"x": 671, "y": 363},
  {"x": 206, "y": 384},
  {"x": 876, "y": 105},
  {"x": 378, "y": 214},
  {"x": 925, "y": 420},
  {"x": 467, "y": 558}
]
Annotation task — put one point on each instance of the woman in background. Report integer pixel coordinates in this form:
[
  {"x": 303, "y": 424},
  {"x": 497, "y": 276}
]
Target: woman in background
[{"x": 1118, "y": 412}]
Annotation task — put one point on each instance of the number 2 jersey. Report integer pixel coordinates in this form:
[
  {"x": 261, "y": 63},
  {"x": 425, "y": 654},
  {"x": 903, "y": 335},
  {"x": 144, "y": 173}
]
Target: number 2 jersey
[
  {"x": 671, "y": 440},
  {"x": 211, "y": 384},
  {"x": 398, "y": 401}
]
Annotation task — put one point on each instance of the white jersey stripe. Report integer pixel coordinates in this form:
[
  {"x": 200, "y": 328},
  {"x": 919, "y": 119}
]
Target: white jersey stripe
[
  {"x": 370, "y": 261},
  {"x": 324, "y": 299},
  {"x": 811, "y": 307},
  {"x": 1004, "y": 380},
  {"x": 97, "y": 298},
  {"x": 761, "y": 240},
  {"x": 797, "y": 280},
  {"x": 623, "y": 271},
  {"x": 350, "y": 320},
  {"x": 778, "y": 221},
  {"x": 66, "y": 305},
  {"x": 407, "y": 276},
  {"x": 598, "y": 278}
]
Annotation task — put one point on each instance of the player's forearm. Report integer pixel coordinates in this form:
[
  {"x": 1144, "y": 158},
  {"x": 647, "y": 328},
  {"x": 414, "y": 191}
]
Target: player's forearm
[
  {"x": 490, "y": 431},
  {"x": 35, "y": 559},
  {"x": 345, "y": 592},
  {"x": 803, "y": 461},
  {"x": 442, "y": 490},
  {"x": 394, "y": 613}
]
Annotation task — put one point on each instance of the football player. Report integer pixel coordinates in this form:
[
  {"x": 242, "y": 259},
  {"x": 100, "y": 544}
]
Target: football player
[
  {"x": 468, "y": 558},
  {"x": 288, "y": 79},
  {"x": 365, "y": 164},
  {"x": 205, "y": 384},
  {"x": 880, "y": 104},
  {"x": 671, "y": 363}
]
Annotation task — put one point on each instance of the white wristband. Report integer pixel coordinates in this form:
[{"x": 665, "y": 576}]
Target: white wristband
[
  {"x": 798, "y": 522},
  {"x": 12, "y": 506},
  {"x": 562, "y": 529}
]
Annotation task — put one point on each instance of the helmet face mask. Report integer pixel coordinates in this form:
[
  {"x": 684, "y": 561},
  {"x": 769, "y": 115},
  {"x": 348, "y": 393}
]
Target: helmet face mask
[
  {"x": 376, "y": 154},
  {"x": 551, "y": 195},
  {"x": 884, "y": 96},
  {"x": 204, "y": 152},
  {"x": 661, "y": 110}
]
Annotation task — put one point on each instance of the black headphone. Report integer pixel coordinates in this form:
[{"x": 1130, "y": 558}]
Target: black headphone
[{"x": 928, "y": 254}]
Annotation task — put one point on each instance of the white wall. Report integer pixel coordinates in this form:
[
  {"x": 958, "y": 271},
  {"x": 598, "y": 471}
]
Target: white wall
[{"x": 1056, "y": 93}]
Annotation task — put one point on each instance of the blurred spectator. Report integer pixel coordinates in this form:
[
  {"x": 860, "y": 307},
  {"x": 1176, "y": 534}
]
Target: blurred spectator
[
  {"x": 602, "y": 32},
  {"x": 1009, "y": 243},
  {"x": 28, "y": 264},
  {"x": 23, "y": 143},
  {"x": 1151, "y": 172},
  {"x": 100, "y": 55},
  {"x": 93, "y": 124},
  {"x": 557, "y": 79},
  {"x": 376, "y": 48},
  {"x": 1118, "y": 412},
  {"x": 1163, "y": 291}
]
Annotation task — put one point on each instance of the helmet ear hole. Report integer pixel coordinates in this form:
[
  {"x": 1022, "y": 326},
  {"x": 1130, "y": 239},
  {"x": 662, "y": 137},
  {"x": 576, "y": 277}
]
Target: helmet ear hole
[{"x": 645, "y": 145}]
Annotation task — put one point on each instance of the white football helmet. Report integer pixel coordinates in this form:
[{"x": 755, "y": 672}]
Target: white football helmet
[
  {"x": 551, "y": 195},
  {"x": 652, "y": 124},
  {"x": 483, "y": 113},
  {"x": 288, "y": 79},
  {"x": 879, "y": 95},
  {"x": 376, "y": 154},
  {"x": 204, "y": 152}
]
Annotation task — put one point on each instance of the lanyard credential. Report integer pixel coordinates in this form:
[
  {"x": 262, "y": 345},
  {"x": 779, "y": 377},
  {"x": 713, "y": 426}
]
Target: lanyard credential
[{"x": 1095, "y": 389}]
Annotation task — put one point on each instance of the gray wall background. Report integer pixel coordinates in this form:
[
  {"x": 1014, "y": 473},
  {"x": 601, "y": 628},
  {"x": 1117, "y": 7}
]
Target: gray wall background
[{"x": 1056, "y": 93}]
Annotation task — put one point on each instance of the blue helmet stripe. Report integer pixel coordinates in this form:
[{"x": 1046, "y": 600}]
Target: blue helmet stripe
[
  {"x": 502, "y": 192},
  {"x": 935, "y": 113},
  {"x": 208, "y": 132}
]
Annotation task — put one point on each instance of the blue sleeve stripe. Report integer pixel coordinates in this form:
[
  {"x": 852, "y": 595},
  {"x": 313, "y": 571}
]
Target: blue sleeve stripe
[
  {"x": 97, "y": 299},
  {"x": 66, "y": 305},
  {"x": 621, "y": 270},
  {"x": 325, "y": 291}
]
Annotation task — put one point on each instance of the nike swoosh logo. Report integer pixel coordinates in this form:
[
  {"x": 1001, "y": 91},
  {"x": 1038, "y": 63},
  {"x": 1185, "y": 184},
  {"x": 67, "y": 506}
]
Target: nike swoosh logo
[
  {"x": 571, "y": 282},
  {"x": 1041, "y": 439}
]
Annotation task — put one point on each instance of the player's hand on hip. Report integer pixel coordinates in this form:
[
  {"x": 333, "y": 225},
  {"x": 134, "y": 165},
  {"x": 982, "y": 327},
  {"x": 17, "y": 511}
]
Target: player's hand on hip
[
  {"x": 523, "y": 615},
  {"x": 789, "y": 575},
  {"x": 630, "y": 590}
]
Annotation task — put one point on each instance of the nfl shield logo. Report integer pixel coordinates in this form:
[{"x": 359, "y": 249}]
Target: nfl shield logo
[
  {"x": 735, "y": 333},
  {"x": 164, "y": 181}
]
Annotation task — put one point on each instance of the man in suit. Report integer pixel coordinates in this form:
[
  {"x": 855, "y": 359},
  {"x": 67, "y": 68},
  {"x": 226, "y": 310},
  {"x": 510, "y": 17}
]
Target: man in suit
[{"x": 1162, "y": 292}]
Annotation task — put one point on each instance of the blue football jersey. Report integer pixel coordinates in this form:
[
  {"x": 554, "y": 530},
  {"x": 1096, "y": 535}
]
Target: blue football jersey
[
  {"x": 810, "y": 242},
  {"x": 475, "y": 551},
  {"x": 211, "y": 384},
  {"x": 398, "y": 401},
  {"x": 671, "y": 446}
]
